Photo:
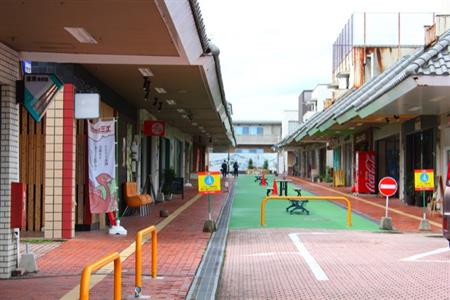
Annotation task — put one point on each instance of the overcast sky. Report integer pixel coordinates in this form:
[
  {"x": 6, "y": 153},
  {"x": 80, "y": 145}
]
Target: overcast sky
[{"x": 272, "y": 50}]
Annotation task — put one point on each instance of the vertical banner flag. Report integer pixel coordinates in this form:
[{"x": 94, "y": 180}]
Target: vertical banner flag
[{"x": 102, "y": 162}]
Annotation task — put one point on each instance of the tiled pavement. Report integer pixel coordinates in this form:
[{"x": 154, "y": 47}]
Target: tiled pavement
[
  {"x": 265, "y": 264},
  {"x": 360, "y": 204},
  {"x": 180, "y": 248},
  {"x": 39, "y": 249},
  {"x": 253, "y": 269}
]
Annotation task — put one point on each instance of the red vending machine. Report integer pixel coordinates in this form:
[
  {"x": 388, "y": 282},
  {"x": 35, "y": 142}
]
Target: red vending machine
[{"x": 365, "y": 172}]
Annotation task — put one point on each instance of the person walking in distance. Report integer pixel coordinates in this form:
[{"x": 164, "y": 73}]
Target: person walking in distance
[
  {"x": 224, "y": 169},
  {"x": 235, "y": 169}
]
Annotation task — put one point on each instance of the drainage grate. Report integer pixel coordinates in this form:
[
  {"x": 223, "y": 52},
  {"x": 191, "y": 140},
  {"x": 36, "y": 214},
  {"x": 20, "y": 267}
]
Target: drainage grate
[{"x": 206, "y": 279}]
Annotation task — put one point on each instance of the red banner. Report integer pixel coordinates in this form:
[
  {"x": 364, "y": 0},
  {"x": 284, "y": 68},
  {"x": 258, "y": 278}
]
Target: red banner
[{"x": 154, "y": 128}]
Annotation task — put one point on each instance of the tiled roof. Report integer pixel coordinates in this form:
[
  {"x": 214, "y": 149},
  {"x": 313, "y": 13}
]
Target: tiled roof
[
  {"x": 437, "y": 65},
  {"x": 434, "y": 60}
]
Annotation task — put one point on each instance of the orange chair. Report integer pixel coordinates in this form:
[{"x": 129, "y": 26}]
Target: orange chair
[{"x": 134, "y": 199}]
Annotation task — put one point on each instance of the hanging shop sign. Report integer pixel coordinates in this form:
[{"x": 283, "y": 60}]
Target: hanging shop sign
[
  {"x": 154, "y": 128},
  {"x": 87, "y": 106},
  {"x": 423, "y": 180},
  {"x": 39, "y": 91},
  {"x": 209, "y": 182},
  {"x": 102, "y": 167}
]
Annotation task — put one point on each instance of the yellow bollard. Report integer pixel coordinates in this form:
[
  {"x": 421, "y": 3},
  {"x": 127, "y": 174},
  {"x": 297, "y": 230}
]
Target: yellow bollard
[
  {"x": 329, "y": 198},
  {"x": 87, "y": 271},
  {"x": 138, "y": 256}
]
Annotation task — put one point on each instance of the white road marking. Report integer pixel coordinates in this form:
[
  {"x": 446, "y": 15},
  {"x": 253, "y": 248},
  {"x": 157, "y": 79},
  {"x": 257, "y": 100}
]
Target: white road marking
[
  {"x": 432, "y": 261},
  {"x": 310, "y": 260},
  {"x": 270, "y": 254},
  {"x": 429, "y": 253}
]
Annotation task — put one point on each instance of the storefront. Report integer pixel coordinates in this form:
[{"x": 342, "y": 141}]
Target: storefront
[
  {"x": 388, "y": 157},
  {"x": 348, "y": 163},
  {"x": 420, "y": 153}
]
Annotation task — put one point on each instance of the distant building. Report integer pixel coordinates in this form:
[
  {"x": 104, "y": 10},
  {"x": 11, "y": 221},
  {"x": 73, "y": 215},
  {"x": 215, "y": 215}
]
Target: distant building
[
  {"x": 303, "y": 107},
  {"x": 256, "y": 136}
]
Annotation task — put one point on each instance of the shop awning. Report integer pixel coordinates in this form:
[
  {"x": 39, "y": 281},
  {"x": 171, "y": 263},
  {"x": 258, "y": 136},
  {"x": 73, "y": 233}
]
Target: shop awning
[
  {"x": 416, "y": 84},
  {"x": 115, "y": 39}
]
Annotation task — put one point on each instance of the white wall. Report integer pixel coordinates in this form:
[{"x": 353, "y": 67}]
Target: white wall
[
  {"x": 321, "y": 93},
  {"x": 288, "y": 115}
]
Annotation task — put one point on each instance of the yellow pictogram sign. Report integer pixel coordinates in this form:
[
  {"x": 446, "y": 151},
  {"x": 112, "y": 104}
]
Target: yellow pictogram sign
[
  {"x": 423, "y": 180},
  {"x": 209, "y": 182}
]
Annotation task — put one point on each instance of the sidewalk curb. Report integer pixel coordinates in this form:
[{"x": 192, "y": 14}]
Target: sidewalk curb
[{"x": 206, "y": 279}]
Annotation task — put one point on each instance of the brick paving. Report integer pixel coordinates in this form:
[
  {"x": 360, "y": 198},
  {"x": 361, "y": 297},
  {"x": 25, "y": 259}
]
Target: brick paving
[
  {"x": 180, "y": 247},
  {"x": 265, "y": 264},
  {"x": 39, "y": 249},
  {"x": 400, "y": 222}
]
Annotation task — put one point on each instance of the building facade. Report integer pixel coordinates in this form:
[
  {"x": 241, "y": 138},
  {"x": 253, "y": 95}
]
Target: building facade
[
  {"x": 174, "y": 78},
  {"x": 392, "y": 103}
]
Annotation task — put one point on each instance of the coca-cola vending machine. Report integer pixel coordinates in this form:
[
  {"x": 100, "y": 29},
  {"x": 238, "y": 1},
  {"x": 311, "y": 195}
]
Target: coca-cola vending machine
[{"x": 365, "y": 172}]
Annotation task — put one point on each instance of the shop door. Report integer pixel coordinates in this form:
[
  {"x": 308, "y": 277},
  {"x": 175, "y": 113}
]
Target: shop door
[
  {"x": 146, "y": 159},
  {"x": 322, "y": 161},
  {"x": 420, "y": 154},
  {"x": 164, "y": 158},
  {"x": 337, "y": 158},
  {"x": 32, "y": 168},
  {"x": 388, "y": 158},
  {"x": 348, "y": 161}
]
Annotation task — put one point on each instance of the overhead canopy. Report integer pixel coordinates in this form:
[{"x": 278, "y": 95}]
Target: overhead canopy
[
  {"x": 118, "y": 38},
  {"x": 418, "y": 84}
]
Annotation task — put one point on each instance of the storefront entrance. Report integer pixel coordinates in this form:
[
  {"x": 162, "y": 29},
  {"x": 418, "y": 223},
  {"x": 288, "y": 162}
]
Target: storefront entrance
[
  {"x": 420, "y": 154},
  {"x": 348, "y": 161},
  {"x": 32, "y": 169},
  {"x": 388, "y": 157}
]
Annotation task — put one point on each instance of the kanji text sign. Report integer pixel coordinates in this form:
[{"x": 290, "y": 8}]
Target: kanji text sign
[
  {"x": 423, "y": 180},
  {"x": 209, "y": 182}
]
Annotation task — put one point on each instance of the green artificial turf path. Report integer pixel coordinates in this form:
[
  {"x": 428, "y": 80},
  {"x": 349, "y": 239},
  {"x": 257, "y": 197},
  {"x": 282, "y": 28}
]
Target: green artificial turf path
[{"x": 246, "y": 210}]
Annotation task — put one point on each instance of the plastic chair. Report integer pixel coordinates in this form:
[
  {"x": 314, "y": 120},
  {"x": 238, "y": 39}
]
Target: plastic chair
[{"x": 132, "y": 198}]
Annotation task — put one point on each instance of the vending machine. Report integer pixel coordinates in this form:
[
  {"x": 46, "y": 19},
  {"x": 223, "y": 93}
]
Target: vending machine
[{"x": 365, "y": 172}]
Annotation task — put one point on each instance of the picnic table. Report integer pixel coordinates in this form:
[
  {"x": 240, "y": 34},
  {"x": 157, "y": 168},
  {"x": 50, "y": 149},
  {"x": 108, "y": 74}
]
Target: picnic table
[
  {"x": 283, "y": 185},
  {"x": 294, "y": 204}
]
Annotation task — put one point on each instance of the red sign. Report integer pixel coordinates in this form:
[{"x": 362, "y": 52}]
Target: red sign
[
  {"x": 387, "y": 186},
  {"x": 18, "y": 205},
  {"x": 365, "y": 172},
  {"x": 154, "y": 128}
]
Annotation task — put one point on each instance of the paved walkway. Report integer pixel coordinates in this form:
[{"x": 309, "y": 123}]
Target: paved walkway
[
  {"x": 327, "y": 264},
  {"x": 405, "y": 218},
  {"x": 181, "y": 244}
]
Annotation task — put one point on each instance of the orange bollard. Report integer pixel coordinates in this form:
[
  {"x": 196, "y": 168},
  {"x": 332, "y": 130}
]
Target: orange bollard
[
  {"x": 263, "y": 180},
  {"x": 275, "y": 188}
]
